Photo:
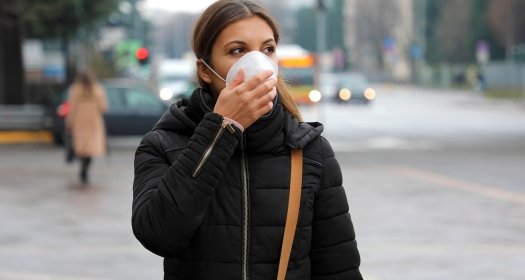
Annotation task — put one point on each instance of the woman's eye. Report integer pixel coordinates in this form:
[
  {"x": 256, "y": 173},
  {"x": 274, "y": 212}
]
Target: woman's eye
[
  {"x": 269, "y": 50},
  {"x": 237, "y": 51}
]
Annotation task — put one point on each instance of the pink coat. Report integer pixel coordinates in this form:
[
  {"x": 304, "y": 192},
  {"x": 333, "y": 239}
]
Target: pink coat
[{"x": 86, "y": 121}]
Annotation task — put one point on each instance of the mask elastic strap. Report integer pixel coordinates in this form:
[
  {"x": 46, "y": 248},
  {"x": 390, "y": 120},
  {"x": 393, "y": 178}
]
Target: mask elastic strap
[{"x": 213, "y": 71}]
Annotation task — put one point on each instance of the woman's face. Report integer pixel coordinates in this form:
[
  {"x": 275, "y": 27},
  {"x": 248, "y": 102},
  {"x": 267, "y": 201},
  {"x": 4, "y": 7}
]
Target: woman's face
[{"x": 237, "y": 39}]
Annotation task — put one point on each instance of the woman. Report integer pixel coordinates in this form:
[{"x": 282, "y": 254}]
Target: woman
[
  {"x": 211, "y": 183},
  {"x": 85, "y": 120}
]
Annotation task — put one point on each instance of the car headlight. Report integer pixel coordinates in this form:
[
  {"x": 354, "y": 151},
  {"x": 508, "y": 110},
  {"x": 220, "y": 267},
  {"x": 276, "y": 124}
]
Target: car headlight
[
  {"x": 370, "y": 93},
  {"x": 314, "y": 96},
  {"x": 166, "y": 94},
  {"x": 345, "y": 94}
]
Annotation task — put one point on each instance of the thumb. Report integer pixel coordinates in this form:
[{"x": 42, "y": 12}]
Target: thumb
[{"x": 238, "y": 79}]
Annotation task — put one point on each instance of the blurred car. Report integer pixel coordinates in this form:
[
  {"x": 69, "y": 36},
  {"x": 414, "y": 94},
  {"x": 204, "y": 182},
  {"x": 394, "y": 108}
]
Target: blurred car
[
  {"x": 133, "y": 109},
  {"x": 174, "y": 79},
  {"x": 347, "y": 88}
]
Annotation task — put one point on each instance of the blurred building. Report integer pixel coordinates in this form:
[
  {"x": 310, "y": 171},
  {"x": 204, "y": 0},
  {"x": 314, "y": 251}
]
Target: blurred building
[
  {"x": 379, "y": 35},
  {"x": 283, "y": 11}
]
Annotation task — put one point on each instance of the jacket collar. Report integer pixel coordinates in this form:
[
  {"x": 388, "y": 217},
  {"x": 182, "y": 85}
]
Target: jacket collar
[{"x": 269, "y": 134}]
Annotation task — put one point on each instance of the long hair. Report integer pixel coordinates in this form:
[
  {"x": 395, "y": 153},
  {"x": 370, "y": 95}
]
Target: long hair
[
  {"x": 223, "y": 13},
  {"x": 86, "y": 83}
]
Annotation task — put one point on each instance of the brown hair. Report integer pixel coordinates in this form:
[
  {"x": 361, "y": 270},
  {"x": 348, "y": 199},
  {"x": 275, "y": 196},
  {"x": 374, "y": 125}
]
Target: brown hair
[
  {"x": 216, "y": 18},
  {"x": 86, "y": 83}
]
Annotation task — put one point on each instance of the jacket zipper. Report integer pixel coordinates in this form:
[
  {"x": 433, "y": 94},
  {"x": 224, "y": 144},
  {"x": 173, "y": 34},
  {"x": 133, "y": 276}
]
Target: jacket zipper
[
  {"x": 207, "y": 153},
  {"x": 244, "y": 166}
]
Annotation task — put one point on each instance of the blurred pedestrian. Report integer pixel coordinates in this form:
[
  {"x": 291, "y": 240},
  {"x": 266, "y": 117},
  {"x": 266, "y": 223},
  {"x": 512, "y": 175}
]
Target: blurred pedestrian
[
  {"x": 212, "y": 179},
  {"x": 480, "y": 82},
  {"x": 85, "y": 120}
]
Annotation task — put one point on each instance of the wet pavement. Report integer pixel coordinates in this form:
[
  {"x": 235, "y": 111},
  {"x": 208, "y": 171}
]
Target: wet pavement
[
  {"x": 431, "y": 198},
  {"x": 53, "y": 227}
]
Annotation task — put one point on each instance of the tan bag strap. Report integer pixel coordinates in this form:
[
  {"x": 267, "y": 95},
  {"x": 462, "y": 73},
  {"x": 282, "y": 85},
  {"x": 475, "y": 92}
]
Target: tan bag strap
[{"x": 292, "y": 215}]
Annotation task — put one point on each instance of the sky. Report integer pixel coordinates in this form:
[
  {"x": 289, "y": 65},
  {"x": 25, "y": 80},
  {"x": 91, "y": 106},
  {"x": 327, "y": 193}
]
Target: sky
[{"x": 192, "y": 6}]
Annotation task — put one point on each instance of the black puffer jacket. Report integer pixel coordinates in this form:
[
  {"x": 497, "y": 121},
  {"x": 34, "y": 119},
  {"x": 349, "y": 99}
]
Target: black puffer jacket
[{"x": 212, "y": 201}]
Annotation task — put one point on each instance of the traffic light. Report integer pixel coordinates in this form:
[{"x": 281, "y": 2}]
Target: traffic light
[{"x": 142, "y": 55}]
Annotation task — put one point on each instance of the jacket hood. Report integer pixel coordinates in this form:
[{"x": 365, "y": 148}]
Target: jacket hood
[
  {"x": 299, "y": 134},
  {"x": 185, "y": 114},
  {"x": 273, "y": 130}
]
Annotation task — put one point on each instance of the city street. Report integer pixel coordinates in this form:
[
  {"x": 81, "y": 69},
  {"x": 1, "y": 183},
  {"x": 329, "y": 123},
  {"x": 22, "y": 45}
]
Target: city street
[{"x": 435, "y": 181}]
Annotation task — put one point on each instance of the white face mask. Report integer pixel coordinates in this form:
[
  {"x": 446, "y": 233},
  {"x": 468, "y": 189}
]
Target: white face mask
[{"x": 252, "y": 63}]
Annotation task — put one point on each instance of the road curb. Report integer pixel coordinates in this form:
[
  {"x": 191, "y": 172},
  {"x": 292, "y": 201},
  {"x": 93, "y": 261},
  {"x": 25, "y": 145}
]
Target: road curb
[{"x": 22, "y": 137}]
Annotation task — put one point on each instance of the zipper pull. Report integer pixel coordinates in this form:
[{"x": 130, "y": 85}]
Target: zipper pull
[{"x": 228, "y": 125}]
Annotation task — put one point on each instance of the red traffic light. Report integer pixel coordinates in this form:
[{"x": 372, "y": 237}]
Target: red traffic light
[{"x": 142, "y": 54}]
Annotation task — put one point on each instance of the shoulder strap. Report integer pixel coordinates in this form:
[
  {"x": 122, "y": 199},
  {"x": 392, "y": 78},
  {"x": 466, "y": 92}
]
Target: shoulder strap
[{"x": 293, "y": 211}]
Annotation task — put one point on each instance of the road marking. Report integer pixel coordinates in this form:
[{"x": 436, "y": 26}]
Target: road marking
[
  {"x": 443, "y": 248},
  {"x": 384, "y": 143},
  {"x": 489, "y": 191}
]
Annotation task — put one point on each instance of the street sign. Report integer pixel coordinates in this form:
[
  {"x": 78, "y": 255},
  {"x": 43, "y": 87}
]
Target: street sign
[
  {"x": 126, "y": 53},
  {"x": 389, "y": 44},
  {"x": 482, "y": 51},
  {"x": 416, "y": 51}
]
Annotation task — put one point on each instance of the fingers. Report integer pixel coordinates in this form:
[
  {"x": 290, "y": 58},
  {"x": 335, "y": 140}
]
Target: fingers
[
  {"x": 256, "y": 87},
  {"x": 246, "y": 101},
  {"x": 256, "y": 80},
  {"x": 266, "y": 101},
  {"x": 237, "y": 80},
  {"x": 264, "y": 93}
]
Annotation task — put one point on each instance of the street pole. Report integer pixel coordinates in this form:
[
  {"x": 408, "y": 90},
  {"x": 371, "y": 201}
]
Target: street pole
[
  {"x": 321, "y": 34},
  {"x": 80, "y": 39},
  {"x": 510, "y": 33},
  {"x": 422, "y": 39},
  {"x": 523, "y": 84},
  {"x": 321, "y": 45}
]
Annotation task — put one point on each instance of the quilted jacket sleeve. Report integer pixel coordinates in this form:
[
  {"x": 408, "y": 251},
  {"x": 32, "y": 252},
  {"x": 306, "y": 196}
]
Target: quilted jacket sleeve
[
  {"x": 169, "y": 203},
  {"x": 334, "y": 253}
]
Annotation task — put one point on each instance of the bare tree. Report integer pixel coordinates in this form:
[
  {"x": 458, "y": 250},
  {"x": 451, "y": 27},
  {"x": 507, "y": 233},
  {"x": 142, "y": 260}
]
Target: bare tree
[
  {"x": 507, "y": 22},
  {"x": 173, "y": 36},
  {"x": 375, "y": 21}
]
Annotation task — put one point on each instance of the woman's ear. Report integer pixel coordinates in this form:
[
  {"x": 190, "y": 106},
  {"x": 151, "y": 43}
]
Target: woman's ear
[{"x": 203, "y": 72}]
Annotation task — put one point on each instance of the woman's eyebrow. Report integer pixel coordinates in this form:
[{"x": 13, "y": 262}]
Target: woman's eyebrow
[
  {"x": 237, "y": 42},
  {"x": 240, "y": 42},
  {"x": 269, "y": 40}
]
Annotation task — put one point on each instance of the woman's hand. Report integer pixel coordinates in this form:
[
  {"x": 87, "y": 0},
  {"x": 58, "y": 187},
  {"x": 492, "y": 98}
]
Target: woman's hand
[{"x": 246, "y": 101}]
